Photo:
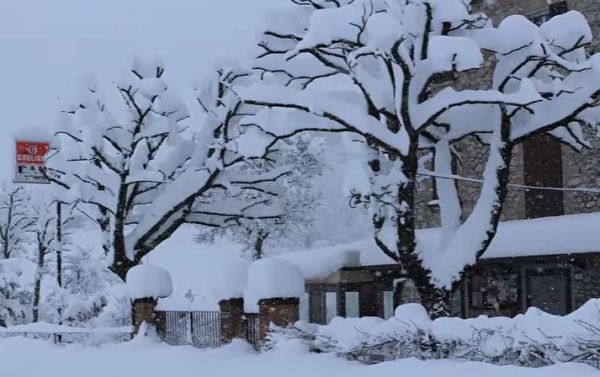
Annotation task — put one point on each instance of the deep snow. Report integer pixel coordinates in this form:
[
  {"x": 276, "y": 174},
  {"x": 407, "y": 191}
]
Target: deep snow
[{"x": 29, "y": 358}]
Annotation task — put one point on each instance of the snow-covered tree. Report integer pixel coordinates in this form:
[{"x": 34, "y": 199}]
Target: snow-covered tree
[
  {"x": 43, "y": 231},
  {"x": 87, "y": 286},
  {"x": 384, "y": 71},
  {"x": 15, "y": 299},
  {"x": 299, "y": 200},
  {"x": 14, "y": 221},
  {"x": 145, "y": 168}
]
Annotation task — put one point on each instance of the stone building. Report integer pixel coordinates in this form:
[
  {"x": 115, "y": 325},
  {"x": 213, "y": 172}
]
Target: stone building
[
  {"x": 557, "y": 274},
  {"x": 562, "y": 280},
  {"x": 542, "y": 161}
]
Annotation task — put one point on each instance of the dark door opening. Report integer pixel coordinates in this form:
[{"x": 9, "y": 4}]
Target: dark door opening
[{"x": 549, "y": 290}]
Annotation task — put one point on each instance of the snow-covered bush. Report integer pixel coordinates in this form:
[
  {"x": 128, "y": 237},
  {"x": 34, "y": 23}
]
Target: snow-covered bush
[{"x": 535, "y": 338}]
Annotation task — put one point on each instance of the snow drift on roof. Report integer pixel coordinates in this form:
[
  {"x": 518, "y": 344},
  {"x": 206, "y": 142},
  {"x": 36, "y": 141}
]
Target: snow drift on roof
[{"x": 568, "y": 234}]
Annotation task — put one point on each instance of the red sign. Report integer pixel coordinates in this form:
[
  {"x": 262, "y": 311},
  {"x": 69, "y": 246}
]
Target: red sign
[
  {"x": 31, "y": 153},
  {"x": 30, "y": 158}
]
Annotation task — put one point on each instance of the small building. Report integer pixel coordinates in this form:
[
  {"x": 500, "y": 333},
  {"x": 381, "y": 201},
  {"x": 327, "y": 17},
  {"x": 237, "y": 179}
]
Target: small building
[
  {"x": 551, "y": 263},
  {"x": 354, "y": 280}
]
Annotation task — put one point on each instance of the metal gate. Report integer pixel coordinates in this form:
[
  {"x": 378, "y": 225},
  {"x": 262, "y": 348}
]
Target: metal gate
[
  {"x": 251, "y": 330},
  {"x": 199, "y": 329}
]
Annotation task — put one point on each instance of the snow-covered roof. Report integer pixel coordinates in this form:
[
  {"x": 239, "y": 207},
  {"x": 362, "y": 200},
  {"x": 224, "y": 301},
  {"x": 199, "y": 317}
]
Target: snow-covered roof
[
  {"x": 316, "y": 264},
  {"x": 219, "y": 274},
  {"x": 569, "y": 234}
]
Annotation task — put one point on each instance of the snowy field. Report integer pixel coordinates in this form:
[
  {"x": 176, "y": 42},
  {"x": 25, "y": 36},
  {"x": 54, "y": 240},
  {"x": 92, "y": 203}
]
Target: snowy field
[{"x": 29, "y": 358}]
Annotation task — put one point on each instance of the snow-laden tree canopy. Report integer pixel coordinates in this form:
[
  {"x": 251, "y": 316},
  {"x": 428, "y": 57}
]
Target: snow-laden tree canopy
[
  {"x": 384, "y": 70},
  {"x": 299, "y": 201},
  {"x": 146, "y": 167}
]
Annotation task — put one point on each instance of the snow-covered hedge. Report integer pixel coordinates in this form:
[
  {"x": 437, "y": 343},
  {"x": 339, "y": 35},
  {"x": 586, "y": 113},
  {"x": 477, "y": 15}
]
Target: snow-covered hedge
[{"x": 535, "y": 338}]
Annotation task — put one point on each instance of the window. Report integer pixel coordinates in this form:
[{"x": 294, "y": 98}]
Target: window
[
  {"x": 330, "y": 306},
  {"x": 549, "y": 289},
  {"x": 496, "y": 289},
  {"x": 388, "y": 304},
  {"x": 304, "y": 307},
  {"x": 352, "y": 305},
  {"x": 456, "y": 308}
]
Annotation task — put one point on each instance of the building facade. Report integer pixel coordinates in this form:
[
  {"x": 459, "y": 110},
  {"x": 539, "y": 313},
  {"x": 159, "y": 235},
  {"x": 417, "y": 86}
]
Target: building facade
[
  {"x": 557, "y": 282},
  {"x": 541, "y": 162}
]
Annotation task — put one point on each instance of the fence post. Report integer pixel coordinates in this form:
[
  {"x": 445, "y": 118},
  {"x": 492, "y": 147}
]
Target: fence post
[
  {"x": 142, "y": 311},
  {"x": 232, "y": 311},
  {"x": 160, "y": 322}
]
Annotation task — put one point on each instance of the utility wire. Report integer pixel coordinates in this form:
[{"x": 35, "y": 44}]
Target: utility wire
[{"x": 586, "y": 190}]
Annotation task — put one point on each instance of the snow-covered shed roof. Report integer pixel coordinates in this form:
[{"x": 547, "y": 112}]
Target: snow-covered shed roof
[{"x": 568, "y": 234}]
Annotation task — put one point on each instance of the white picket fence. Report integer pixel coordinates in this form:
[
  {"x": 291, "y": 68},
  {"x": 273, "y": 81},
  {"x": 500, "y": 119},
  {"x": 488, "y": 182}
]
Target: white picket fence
[{"x": 68, "y": 334}]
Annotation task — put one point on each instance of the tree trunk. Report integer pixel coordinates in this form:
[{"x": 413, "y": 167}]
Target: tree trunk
[
  {"x": 121, "y": 264},
  {"x": 104, "y": 222},
  {"x": 38, "y": 282},
  {"x": 259, "y": 245},
  {"x": 59, "y": 244},
  {"x": 6, "y": 235},
  {"x": 436, "y": 300}
]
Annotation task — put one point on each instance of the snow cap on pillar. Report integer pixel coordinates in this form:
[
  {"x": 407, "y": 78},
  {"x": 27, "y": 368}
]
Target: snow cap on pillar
[
  {"x": 272, "y": 278},
  {"x": 148, "y": 281}
]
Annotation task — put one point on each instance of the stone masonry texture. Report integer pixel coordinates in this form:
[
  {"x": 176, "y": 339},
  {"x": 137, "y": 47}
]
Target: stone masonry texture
[
  {"x": 278, "y": 311},
  {"x": 580, "y": 169}
]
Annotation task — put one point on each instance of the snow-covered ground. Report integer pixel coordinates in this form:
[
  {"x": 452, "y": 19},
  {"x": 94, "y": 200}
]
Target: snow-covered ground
[{"x": 29, "y": 358}]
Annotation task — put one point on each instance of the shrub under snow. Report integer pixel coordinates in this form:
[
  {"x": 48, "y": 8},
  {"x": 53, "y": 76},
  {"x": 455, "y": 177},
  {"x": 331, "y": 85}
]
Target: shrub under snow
[
  {"x": 535, "y": 338},
  {"x": 148, "y": 280}
]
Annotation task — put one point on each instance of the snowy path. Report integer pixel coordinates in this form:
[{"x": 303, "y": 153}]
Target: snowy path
[{"x": 28, "y": 358}]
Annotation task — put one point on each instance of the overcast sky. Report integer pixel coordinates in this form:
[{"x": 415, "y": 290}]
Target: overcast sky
[{"x": 47, "y": 46}]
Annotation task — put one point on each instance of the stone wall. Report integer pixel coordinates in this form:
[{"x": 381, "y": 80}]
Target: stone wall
[
  {"x": 580, "y": 169},
  {"x": 232, "y": 311},
  {"x": 586, "y": 284},
  {"x": 278, "y": 311},
  {"x": 506, "y": 284},
  {"x": 142, "y": 311}
]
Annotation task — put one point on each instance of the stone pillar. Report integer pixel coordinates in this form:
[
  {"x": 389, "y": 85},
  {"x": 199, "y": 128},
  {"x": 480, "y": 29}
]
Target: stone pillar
[
  {"x": 279, "y": 311},
  {"x": 232, "y": 311},
  {"x": 142, "y": 310}
]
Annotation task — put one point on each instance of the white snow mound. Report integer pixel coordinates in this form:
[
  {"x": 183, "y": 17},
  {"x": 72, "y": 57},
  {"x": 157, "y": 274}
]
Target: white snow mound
[
  {"x": 147, "y": 280},
  {"x": 272, "y": 278}
]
